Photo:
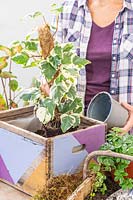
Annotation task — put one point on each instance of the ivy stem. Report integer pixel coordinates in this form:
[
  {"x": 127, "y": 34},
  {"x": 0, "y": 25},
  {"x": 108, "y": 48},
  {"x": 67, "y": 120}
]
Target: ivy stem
[
  {"x": 55, "y": 76},
  {"x": 4, "y": 89},
  {"x": 103, "y": 153}
]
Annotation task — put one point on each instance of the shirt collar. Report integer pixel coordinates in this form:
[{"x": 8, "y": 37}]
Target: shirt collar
[
  {"x": 127, "y": 4},
  {"x": 81, "y": 3}
]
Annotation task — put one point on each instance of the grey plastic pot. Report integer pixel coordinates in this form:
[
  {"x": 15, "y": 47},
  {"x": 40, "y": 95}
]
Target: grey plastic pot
[{"x": 104, "y": 108}]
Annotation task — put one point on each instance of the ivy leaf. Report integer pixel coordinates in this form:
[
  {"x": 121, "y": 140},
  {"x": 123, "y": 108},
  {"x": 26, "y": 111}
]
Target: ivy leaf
[
  {"x": 55, "y": 61},
  {"x": 58, "y": 91},
  {"x": 3, "y": 105},
  {"x": 58, "y": 50},
  {"x": 21, "y": 58},
  {"x": 6, "y": 74},
  {"x": 13, "y": 84},
  {"x": 67, "y": 122},
  {"x": 68, "y": 47},
  {"x": 50, "y": 105},
  {"x": 77, "y": 119},
  {"x": 31, "y": 46},
  {"x": 43, "y": 115},
  {"x": 71, "y": 93},
  {"x": 81, "y": 62},
  {"x": 31, "y": 95},
  {"x": 48, "y": 70},
  {"x": 67, "y": 58}
]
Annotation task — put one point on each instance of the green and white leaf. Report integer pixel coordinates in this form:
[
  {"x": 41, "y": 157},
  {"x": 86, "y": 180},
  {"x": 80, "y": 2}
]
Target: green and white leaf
[
  {"x": 67, "y": 121},
  {"x": 43, "y": 115}
]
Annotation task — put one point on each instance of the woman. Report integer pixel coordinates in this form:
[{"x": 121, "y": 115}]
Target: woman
[{"x": 102, "y": 31}]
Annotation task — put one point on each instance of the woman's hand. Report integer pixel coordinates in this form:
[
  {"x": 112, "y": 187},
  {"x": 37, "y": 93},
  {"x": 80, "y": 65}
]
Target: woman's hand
[
  {"x": 129, "y": 123},
  {"x": 45, "y": 87}
]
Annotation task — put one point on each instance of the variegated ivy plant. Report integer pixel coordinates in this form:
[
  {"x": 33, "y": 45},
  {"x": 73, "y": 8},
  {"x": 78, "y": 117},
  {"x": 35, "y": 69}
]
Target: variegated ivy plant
[
  {"x": 61, "y": 70},
  {"x": 60, "y": 66}
]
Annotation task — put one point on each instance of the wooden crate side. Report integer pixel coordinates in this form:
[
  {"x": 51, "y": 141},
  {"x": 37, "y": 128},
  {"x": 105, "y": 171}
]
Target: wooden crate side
[
  {"x": 22, "y": 132},
  {"x": 83, "y": 190},
  {"x": 15, "y": 113},
  {"x": 70, "y": 150},
  {"x": 22, "y": 159},
  {"x": 11, "y": 192}
]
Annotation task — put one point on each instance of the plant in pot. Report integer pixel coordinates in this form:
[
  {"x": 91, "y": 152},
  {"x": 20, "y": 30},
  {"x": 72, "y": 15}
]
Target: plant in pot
[
  {"x": 10, "y": 89},
  {"x": 121, "y": 170},
  {"x": 60, "y": 110}
]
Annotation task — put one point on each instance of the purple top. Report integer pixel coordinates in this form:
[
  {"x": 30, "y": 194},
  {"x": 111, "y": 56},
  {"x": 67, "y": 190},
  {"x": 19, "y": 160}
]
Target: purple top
[{"x": 99, "y": 53}]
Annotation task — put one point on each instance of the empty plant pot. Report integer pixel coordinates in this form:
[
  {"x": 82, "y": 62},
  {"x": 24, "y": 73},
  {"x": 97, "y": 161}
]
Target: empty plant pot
[{"x": 104, "y": 108}]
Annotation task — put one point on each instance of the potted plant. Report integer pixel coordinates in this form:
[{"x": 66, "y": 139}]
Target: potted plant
[
  {"x": 115, "y": 156},
  {"x": 21, "y": 132}
]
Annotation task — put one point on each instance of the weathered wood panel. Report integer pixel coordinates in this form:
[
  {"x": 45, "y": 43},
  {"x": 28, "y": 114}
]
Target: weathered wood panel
[
  {"x": 9, "y": 192},
  {"x": 29, "y": 159}
]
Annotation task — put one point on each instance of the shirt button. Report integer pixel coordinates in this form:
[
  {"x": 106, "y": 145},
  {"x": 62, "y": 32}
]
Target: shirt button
[
  {"x": 117, "y": 25},
  {"x": 114, "y": 41},
  {"x": 112, "y": 91},
  {"x": 114, "y": 57}
]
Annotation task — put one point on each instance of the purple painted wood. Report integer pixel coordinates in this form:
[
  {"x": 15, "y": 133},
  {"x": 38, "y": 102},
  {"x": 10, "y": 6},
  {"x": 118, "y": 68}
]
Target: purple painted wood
[
  {"x": 4, "y": 173},
  {"x": 93, "y": 137}
]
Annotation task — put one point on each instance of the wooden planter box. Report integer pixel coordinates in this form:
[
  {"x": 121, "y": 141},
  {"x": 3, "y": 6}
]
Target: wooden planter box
[
  {"x": 11, "y": 192},
  {"x": 29, "y": 160}
]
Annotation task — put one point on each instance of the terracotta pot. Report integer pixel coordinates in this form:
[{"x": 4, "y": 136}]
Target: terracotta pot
[{"x": 129, "y": 170}]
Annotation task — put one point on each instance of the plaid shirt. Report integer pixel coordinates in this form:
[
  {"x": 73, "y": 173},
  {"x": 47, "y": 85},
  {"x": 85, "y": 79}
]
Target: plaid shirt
[{"x": 75, "y": 25}]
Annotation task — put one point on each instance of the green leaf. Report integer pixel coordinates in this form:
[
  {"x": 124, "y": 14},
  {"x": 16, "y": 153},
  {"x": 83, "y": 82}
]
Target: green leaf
[
  {"x": 32, "y": 64},
  {"x": 21, "y": 58},
  {"x": 58, "y": 50},
  {"x": 55, "y": 61},
  {"x": 3, "y": 105},
  {"x": 58, "y": 91},
  {"x": 35, "y": 14},
  {"x": 67, "y": 122},
  {"x": 13, "y": 84},
  {"x": 50, "y": 105},
  {"x": 56, "y": 10},
  {"x": 71, "y": 71},
  {"x": 68, "y": 47},
  {"x": 81, "y": 62},
  {"x": 6, "y": 75},
  {"x": 48, "y": 70},
  {"x": 67, "y": 58},
  {"x": 77, "y": 119},
  {"x": 31, "y": 46},
  {"x": 31, "y": 95},
  {"x": 43, "y": 115},
  {"x": 71, "y": 93}
]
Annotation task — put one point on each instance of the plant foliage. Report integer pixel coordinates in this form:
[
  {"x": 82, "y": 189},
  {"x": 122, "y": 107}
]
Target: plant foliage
[
  {"x": 60, "y": 66},
  {"x": 120, "y": 144}
]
